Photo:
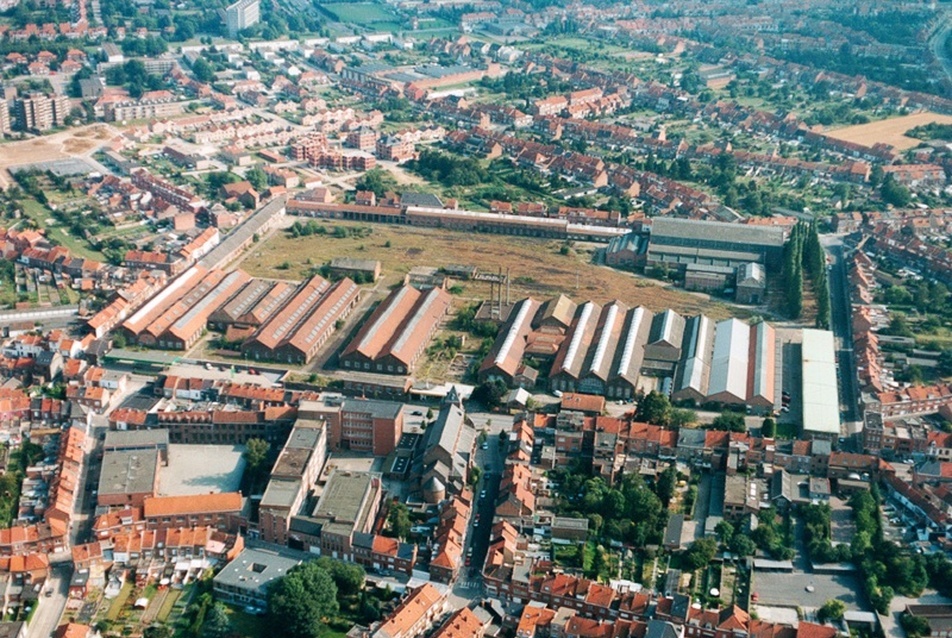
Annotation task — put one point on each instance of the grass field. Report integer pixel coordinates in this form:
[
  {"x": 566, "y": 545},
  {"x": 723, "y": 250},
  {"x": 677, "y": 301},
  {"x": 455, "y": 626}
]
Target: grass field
[
  {"x": 359, "y": 12},
  {"x": 537, "y": 268},
  {"x": 58, "y": 233},
  {"x": 891, "y": 131}
]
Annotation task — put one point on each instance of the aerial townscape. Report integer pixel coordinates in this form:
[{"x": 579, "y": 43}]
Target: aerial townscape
[{"x": 475, "y": 318}]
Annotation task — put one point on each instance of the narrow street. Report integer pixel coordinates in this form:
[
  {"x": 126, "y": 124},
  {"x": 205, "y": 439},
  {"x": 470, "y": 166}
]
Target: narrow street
[{"x": 841, "y": 320}]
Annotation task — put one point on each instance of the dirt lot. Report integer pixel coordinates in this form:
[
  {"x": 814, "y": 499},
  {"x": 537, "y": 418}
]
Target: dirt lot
[
  {"x": 891, "y": 131},
  {"x": 70, "y": 143},
  {"x": 537, "y": 268}
]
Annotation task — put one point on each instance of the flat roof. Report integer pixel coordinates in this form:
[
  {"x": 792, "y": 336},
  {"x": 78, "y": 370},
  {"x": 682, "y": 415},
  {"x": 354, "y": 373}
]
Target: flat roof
[
  {"x": 255, "y": 569},
  {"x": 281, "y": 492},
  {"x": 821, "y": 403},
  {"x": 128, "y": 472},
  {"x": 119, "y": 439},
  {"x": 703, "y": 230},
  {"x": 343, "y": 501},
  {"x": 377, "y": 409},
  {"x": 202, "y": 469}
]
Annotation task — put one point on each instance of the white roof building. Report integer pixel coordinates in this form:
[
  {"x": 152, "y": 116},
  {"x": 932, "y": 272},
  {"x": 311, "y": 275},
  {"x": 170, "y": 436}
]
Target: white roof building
[
  {"x": 729, "y": 364},
  {"x": 821, "y": 404}
]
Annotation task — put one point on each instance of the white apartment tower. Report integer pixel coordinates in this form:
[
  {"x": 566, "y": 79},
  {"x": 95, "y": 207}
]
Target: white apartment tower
[{"x": 242, "y": 15}]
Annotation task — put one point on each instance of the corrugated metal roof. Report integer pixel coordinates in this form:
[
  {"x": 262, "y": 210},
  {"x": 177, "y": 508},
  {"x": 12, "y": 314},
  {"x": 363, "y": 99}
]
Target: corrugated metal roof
[
  {"x": 821, "y": 403},
  {"x": 730, "y": 361}
]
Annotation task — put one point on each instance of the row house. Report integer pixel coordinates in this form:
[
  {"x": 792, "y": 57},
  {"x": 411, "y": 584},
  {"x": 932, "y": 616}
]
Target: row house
[{"x": 449, "y": 538}]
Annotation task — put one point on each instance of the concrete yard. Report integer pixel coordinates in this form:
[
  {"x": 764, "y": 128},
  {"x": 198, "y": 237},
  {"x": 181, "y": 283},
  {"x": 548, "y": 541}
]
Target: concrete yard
[
  {"x": 200, "y": 469},
  {"x": 790, "y": 590}
]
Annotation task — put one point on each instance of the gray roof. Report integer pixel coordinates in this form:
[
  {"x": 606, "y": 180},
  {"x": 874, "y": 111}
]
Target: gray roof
[
  {"x": 716, "y": 231},
  {"x": 233, "y": 241},
  {"x": 124, "y": 439},
  {"x": 672, "y": 532},
  {"x": 751, "y": 272},
  {"x": 632, "y": 241},
  {"x": 281, "y": 493},
  {"x": 255, "y": 569},
  {"x": 377, "y": 409},
  {"x": 305, "y": 435},
  {"x": 128, "y": 472},
  {"x": 12, "y": 629},
  {"x": 667, "y": 327},
  {"x": 343, "y": 507},
  {"x": 424, "y": 200},
  {"x": 781, "y": 486},
  {"x": 821, "y": 447},
  {"x": 661, "y": 629},
  {"x": 352, "y": 263},
  {"x": 688, "y": 437}
]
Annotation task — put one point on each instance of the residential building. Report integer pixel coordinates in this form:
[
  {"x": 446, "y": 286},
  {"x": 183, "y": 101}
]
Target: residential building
[{"x": 241, "y": 15}]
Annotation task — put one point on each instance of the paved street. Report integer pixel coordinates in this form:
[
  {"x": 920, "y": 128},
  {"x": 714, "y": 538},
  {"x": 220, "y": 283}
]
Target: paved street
[
  {"x": 841, "y": 318},
  {"x": 491, "y": 460},
  {"x": 47, "y": 615}
]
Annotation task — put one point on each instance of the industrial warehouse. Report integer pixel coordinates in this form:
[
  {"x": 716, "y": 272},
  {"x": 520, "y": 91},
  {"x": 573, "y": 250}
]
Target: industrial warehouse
[
  {"x": 276, "y": 321},
  {"x": 618, "y": 352},
  {"x": 397, "y": 333}
]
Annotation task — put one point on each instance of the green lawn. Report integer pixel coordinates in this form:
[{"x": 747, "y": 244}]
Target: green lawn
[
  {"x": 359, "y": 12},
  {"x": 167, "y": 605},
  {"x": 115, "y": 607},
  {"x": 787, "y": 430},
  {"x": 249, "y": 625},
  {"x": 57, "y": 233}
]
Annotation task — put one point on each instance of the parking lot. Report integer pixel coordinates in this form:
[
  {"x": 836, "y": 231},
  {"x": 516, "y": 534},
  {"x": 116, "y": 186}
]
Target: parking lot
[{"x": 790, "y": 589}]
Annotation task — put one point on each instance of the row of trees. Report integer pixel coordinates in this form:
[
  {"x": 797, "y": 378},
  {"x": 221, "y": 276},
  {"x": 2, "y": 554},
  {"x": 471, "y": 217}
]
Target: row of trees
[
  {"x": 886, "y": 567},
  {"x": 803, "y": 253}
]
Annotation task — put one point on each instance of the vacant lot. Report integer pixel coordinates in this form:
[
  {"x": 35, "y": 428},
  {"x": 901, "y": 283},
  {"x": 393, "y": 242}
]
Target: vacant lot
[
  {"x": 359, "y": 12},
  {"x": 891, "y": 131},
  {"x": 73, "y": 142},
  {"x": 536, "y": 266}
]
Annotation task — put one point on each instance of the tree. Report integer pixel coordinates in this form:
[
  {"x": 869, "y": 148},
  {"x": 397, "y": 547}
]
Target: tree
[
  {"x": 256, "y": 453},
  {"x": 152, "y": 631},
  {"x": 299, "y": 602},
  {"x": 915, "y": 626},
  {"x": 725, "y": 532},
  {"x": 742, "y": 545},
  {"x": 768, "y": 428},
  {"x": 701, "y": 553},
  {"x": 399, "y": 520},
  {"x": 258, "y": 178},
  {"x": 832, "y": 609},
  {"x": 655, "y": 408},
  {"x": 377, "y": 180},
  {"x": 944, "y": 366},
  {"x": 474, "y": 475},
  {"x": 895, "y": 193},
  {"x": 349, "y": 577},
  {"x": 203, "y": 70},
  {"x": 216, "y": 622},
  {"x": 731, "y": 421},
  {"x": 598, "y": 561},
  {"x": 490, "y": 393},
  {"x": 682, "y": 417},
  {"x": 667, "y": 482}
]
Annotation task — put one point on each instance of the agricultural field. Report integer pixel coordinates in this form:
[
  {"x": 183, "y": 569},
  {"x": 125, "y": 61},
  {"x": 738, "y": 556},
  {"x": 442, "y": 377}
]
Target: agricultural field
[
  {"x": 538, "y": 267},
  {"x": 365, "y": 13},
  {"x": 891, "y": 131}
]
